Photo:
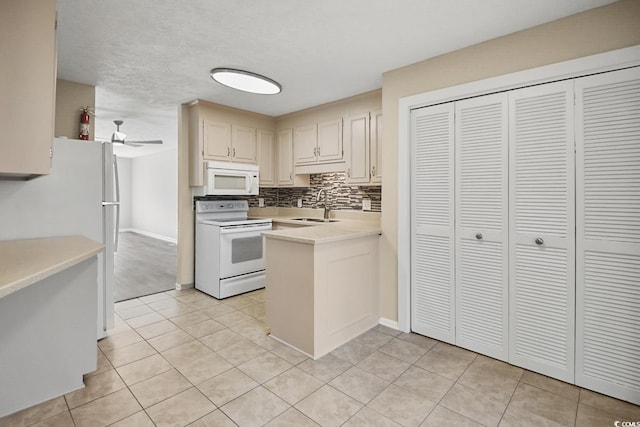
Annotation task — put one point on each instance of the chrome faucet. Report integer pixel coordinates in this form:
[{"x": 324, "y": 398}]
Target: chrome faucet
[{"x": 326, "y": 207}]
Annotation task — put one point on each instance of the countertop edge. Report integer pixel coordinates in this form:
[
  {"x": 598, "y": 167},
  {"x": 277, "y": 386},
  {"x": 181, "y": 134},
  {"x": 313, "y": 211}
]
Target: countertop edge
[
  {"x": 343, "y": 229},
  {"x": 320, "y": 241},
  {"x": 49, "y": 256}
]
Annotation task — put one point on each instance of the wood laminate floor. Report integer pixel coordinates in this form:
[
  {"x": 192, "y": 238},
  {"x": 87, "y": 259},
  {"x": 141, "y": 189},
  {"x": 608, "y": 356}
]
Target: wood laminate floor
[{"x": 143, "y": 266}]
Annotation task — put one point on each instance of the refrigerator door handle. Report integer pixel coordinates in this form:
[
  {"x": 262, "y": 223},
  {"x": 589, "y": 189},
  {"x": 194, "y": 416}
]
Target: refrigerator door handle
[{"x": 117, "y": 185}]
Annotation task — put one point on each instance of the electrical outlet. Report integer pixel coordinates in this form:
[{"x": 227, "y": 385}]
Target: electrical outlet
[
  {"x": 366, "y": 204},
  {"x": 300, "y": 202},
  {"x": 261, "y": 202}
]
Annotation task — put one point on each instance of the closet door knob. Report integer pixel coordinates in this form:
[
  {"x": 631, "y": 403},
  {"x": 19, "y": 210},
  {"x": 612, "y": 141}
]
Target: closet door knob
[
  {"x": 479, "y": 236},
  {"x": 539, "y": 241}
]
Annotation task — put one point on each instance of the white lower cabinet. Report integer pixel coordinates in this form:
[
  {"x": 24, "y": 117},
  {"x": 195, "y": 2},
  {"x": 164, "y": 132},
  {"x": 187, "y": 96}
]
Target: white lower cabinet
[{"x": 526, "y": 228}]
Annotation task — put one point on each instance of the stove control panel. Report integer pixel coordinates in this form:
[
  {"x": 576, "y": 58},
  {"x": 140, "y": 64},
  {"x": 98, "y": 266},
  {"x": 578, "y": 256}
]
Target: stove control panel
[{"x": 208, "y": 206}]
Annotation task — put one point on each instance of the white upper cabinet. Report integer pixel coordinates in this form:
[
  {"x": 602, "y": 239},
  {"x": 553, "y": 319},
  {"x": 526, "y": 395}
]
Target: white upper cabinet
[
  {"x": 229, "y": 142},
  {"x": 375, "y": 156},
  {"x": 363, "y": 148},
  {"x": 266, "y": 157},
  {"x": 28, "y": 70},
  {"x": 285, "y": 157},
  {"x": 286, "y": 176},
  {"x": 542, "y": 229},
  {"x": 330, "y": 141},
  {"x": 318, "y": 143},
  {"x": 305, "y": 139},
  {"x": 358, "y": 147},
  {"x": 217, "y": 140},
  {"x": 244, "y": 148}
]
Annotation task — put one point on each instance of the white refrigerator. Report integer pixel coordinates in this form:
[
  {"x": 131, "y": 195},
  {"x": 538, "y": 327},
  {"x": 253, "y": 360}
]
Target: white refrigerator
[{"x": 79, "y": 196}]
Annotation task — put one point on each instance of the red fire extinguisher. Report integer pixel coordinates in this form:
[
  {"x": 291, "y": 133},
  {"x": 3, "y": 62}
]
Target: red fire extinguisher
[{"x": 85, "y": 119}]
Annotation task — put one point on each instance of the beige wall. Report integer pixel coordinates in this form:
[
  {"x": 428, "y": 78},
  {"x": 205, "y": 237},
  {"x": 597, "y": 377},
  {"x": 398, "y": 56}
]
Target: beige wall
[
  {"x": 611, "y": 27},
  {"x": 70, "y": 97}
]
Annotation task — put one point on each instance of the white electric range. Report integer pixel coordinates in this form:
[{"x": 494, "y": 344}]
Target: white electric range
[{"x": 229, "y": 248}]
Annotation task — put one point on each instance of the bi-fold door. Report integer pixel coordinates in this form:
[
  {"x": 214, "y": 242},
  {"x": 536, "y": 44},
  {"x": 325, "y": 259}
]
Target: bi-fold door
[
  {"x": 481, "y": 227},
  {"x": 542, "y": 229},
  {"x": 608, "y": 233},
  {"x": 459, "y": 249},
  {"x": 432, "y": 252},
  {"x": 492, "y": 267},
  {"x": 573, "y": 235}
]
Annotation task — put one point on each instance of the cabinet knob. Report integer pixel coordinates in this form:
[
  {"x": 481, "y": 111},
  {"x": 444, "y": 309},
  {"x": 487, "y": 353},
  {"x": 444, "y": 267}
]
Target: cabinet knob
[
  {"x": 228, "y": 151},
  {"x": 539, "y": 241},
  {"x": 373, "y": 171},
  {"x": 479, "y": 236},
  {"x": 349, "y": 172},
  {"x": 290, "y": 176},
  {"x": 234, "y": 152}
]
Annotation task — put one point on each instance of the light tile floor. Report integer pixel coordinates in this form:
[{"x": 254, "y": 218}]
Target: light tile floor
[{"x": 183, "y": 358}]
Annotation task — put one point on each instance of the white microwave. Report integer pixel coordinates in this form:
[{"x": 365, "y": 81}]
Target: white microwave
[{"x": 223, "y": 178}]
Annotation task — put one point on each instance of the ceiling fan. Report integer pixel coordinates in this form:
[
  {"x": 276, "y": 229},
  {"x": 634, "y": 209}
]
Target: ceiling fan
[{"x": 119, "y": 137}]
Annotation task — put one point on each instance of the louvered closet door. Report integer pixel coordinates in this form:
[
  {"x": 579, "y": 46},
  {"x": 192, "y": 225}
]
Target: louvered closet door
[
  {"x": 542, "y": 229},
  {"x": 432, "y": 227},
  {"x": 481, "y": 158},
  {"x": 608, "y": 233}
]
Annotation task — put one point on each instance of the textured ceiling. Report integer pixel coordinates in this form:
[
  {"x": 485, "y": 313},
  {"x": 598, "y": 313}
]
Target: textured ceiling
[{"x": 146, "y": 57}]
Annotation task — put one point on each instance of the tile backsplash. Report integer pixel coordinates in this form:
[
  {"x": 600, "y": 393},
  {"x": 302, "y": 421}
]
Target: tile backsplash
[{"x": 341, "y": 196}]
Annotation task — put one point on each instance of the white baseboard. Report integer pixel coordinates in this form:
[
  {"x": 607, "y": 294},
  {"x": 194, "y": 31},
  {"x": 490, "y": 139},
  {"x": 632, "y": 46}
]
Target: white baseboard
[
  {"x": 393, "y": 324},
  {"x": 183, "y": 286},
  {"x": 146, "y": 233}
]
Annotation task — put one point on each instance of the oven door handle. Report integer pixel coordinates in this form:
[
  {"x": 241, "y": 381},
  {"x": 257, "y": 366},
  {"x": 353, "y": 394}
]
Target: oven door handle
[{"x": 241, "y": 229}]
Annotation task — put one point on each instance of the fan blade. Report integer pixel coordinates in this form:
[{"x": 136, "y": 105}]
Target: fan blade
[
  {"x": 132, "y": 144},
  {"x": 154, "y": 141}
]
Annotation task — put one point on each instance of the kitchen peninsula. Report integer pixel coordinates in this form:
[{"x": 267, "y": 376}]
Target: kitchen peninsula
[
  {"x": 322, "y": 285},
  {"x": 48, "y": 307}
]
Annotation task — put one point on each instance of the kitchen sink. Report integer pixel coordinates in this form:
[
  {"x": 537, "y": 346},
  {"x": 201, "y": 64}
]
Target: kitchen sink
[{"x": 314, "y": 220}]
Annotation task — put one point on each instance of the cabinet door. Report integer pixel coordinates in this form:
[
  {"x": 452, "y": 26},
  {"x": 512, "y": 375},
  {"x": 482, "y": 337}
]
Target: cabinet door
[
  {"x": 375, "y": 155},
  {"x": 481, "y": 163},
  {"x": 330, "y": 141},
  {"x": 305, "y": 142},
  {"x": 28, "y": 70},
  {"x": 608, "y": 233},
  {"x": 432, "y": 244},
  {"x": 266, "y": 157},
  {"x": 244, "y": 148},
  {"x": 358, "y": 149},
  {"x": 542, "y": 229},
  {"x": 285, "y": 157},
  {"x": 217, "y": 140}
]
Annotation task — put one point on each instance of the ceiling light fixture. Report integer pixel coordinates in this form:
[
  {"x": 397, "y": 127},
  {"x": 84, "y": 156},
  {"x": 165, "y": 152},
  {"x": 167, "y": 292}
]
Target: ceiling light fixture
[{"x": 246, "y": 81}]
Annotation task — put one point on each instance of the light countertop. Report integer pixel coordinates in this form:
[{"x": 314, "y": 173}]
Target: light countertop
[
  {"x": 25, "y": 262},
  {"x": 316, "y": 233}
]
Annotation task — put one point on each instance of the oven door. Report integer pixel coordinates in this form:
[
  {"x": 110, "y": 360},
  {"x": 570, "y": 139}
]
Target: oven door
[{"x": 241, "y": 249}]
